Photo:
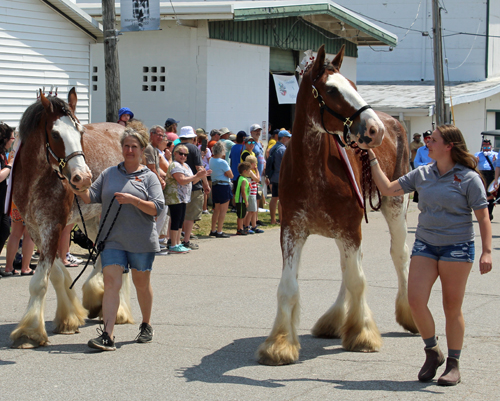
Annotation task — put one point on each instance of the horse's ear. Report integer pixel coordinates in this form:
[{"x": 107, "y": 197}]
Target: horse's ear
[
  {"x": 319, "y": 63},
  {"x": 72, "y": 99},
  {"x": 47, "y": 105},
  {"x": 337, "y": 61}
]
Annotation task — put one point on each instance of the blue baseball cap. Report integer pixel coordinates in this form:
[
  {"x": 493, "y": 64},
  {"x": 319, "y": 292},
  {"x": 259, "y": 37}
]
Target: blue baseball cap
[
  {"x": 171, "y": 121},
  {"x": 125, "y": 110},
  {"x": 284, "y": 133}
]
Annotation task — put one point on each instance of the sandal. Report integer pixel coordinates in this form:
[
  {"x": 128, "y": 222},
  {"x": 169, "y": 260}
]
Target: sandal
[
  {"x": 8, "y": 274},
  {"x": 71, "y": 264},
  {"x": 30, "y": 273}
]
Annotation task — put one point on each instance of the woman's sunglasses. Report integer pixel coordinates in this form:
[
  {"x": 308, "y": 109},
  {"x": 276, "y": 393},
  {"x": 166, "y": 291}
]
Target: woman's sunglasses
[{"x": 182, "y": 154}]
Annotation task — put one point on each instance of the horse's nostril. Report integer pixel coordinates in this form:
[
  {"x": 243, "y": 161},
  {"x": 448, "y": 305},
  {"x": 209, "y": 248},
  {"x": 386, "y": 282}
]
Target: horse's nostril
[{"x": 77, "y": 178}]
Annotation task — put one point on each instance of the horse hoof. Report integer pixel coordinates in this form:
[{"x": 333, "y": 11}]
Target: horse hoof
[
  {"x": 25, "y": 343},
  {"x": 63, "y": 330},
  {"x": 94, "y": 312},
  {"x": 273, "y": 354}
]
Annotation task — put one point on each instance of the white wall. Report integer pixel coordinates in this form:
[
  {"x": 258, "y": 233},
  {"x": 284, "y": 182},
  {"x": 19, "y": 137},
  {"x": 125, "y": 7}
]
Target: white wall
[
  {"x": 180, "y": 49},
  {"x": 237, "y": 86},
  {"x": 40, "y": 48},
  {"x": 494, "y": 43},
  {"x": 411, "y": 59}
]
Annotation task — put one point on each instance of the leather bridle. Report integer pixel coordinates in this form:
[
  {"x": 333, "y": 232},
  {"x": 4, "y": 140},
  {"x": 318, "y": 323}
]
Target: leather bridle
[
  {"x": 347, "y": 121},
  {"x": 61, "y": 162}
]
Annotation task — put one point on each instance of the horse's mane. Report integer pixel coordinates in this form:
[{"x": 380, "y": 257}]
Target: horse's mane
[{"x": 32, "y": 116}]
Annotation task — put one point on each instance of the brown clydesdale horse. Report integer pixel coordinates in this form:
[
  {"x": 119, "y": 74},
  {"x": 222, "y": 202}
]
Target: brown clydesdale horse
[
  {"x": 317, "y": 198},
  {"x": 54, "y": 145}
]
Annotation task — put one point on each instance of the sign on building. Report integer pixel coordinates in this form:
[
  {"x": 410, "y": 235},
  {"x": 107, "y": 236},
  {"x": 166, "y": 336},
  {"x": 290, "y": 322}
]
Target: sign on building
[
  {"x": 140, "y": 15},
  {"x": 287, "y": 88}
]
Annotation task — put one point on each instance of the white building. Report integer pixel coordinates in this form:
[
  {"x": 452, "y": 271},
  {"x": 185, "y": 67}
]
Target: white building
[
  {"x": 44, "y": 43},
  {"x": 400, "y": 82},
  {"x": 209, "y": 66}
]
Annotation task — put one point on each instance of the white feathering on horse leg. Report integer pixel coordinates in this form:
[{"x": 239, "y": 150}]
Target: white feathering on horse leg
[
  {"x": 330, "y": 324},
  {"x": 282, "y": 346},
  {"x": 30, "y": 332},
  {"x": 359, "y": 333},
  {"x": 93, "y": 291},
  {"x": 124, "y": 314},
  {"x": 70, "y": 314},
  {"x": 394, "y": 210}
]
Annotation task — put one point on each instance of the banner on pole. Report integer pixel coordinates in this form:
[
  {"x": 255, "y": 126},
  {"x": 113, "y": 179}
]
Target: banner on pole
[
  {"x": 287, "y": 88},
  {"x": 140, "y": 15}
]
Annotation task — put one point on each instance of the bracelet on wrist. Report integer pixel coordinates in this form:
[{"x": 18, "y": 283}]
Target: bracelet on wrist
[
  {"x": 373, "y": 162},
  {"x": 9, "y": 167}
]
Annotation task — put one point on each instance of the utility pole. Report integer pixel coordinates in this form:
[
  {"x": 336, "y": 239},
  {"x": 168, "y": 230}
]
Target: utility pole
[
  {"x": 438, "y": 64},
  {"x": 111, "y": 65}
]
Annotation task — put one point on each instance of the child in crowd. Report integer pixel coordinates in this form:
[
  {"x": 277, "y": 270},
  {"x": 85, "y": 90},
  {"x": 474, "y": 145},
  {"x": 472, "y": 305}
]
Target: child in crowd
[
  {"x": 250, "y": 223},
  {"x": 242, "y": 195},
  {"x": 124, "y": 114}
]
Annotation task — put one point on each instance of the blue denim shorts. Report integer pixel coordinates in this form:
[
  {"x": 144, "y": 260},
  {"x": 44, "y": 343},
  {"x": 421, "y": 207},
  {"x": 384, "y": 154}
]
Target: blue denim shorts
[
  {"x": 463, "y": 252},
  {"x": 140, "y": 261}
]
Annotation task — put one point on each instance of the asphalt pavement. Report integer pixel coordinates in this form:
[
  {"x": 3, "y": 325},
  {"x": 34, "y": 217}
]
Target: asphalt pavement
[{"x": 214, "y": 306}]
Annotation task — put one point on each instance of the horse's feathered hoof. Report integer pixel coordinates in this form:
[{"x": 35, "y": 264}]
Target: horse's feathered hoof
[
  {"x": 25, "y": 342},
  {"x": 94, "y": 312},
  {"x": 277, "y": 353},
  {"x": 65, "y": 330}
]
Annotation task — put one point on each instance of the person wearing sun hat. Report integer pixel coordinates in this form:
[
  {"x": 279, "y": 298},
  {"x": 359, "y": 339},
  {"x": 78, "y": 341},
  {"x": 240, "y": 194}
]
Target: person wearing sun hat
[
  {"x": 124, "y": 114},
  {"x": 228, "y": 143}
]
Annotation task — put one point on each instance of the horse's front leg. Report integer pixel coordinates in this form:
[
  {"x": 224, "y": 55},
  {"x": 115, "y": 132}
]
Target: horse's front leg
[
  {"x": 30, "y": 332},
  {"x": 282, "y": 346},
  {"x": 70, "y": 314},
  {"x": 394, "y": 210},
  {"x": 359, "y": 333},
  {"x": 330, "y": 324}
]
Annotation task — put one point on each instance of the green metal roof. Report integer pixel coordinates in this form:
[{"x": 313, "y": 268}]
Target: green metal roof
[
  {"x": 323, "y": 13},
  {"x": 292, "y": 33}
]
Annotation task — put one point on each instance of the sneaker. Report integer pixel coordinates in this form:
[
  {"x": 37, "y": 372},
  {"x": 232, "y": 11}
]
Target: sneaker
[
  {"x": 241, "y": 232},
  {"x": 103, "y": 342},
  {"x": 222, "y": 235},
  {"x": 73, "y": 259},
  {"x": 145, "y": 334},
  {"x": 205, "y": 212},
  {"x": 163, "y": 241},
  {"x": 178, "y": 249},
  {"x": 163, "y": 252},
  {"x": 163, "y": 247},
  {"x": 169, "y": 244},
  {"x": 261, "y": 223},
  {"x": 257, "y": 230},
  {"x": 248, "y": 230},
  {"x": 35, "y": 256},
  {"x": 190, "y": 245},
  {"x": 213, "y": 234}
]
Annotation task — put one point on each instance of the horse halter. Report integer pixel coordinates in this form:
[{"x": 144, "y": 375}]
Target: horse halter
[
  {"x": 347, "y": 121},
  {"x": 61, "y": 162}
]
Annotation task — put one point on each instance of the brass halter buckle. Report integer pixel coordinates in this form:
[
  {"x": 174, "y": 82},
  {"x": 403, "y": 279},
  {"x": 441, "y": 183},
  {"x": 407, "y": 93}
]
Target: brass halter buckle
[{"x": 348, "y": 122}]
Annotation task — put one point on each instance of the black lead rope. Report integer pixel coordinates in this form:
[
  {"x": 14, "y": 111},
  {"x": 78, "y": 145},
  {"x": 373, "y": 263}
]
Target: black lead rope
[{"x": 98, "y": 246}]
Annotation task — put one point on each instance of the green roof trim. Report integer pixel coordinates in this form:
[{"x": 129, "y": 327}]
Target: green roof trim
[
  {"x": 326, "y": 8},
  {"x": 283, "y": 33}
]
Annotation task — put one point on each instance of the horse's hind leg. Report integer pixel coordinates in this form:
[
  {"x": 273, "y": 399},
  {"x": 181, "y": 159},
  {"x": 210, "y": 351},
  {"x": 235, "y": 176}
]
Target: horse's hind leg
[
  {"x": 394, "y": 210},
  {"x": 30, "y": 332},
  {"x": 330, "y": 324},
  {"x": 70, "y": 314},
  {"x": 93, "y": 291},
  {"x": 359, "y": 333},
  {"x": 282, "y": 346}
]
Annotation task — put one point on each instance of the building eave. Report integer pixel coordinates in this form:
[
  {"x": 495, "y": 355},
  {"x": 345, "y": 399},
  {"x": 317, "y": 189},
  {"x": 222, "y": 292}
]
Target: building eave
[
  {"x": 323, "y": 13},
  {"x": 77, "y": 17}
]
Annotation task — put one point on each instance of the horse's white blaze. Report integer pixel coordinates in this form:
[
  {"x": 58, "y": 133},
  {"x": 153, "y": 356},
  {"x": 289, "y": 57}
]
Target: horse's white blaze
[
  {"x": 71, "y": 138},
  {"x": 352, "y": 97}
]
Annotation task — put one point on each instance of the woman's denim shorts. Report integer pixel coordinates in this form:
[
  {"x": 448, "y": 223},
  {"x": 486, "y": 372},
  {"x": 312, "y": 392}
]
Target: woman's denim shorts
[
  {"x": 140, "y": 261},
  {"x": 463, "y": 252}
]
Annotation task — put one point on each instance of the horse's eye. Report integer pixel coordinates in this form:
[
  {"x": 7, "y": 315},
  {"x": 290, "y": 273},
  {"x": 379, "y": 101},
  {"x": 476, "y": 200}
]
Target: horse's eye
[
  {"x": 332, "y": 90},
  {"x": 56, "y": 135}
]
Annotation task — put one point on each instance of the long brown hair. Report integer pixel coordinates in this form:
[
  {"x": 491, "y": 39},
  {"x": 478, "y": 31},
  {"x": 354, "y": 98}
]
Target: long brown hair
[{"x": 459, "y": 152}]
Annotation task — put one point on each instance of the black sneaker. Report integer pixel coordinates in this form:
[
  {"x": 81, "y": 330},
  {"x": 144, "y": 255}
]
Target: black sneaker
[
  {"x": 213, "y": 234},
  {"x": 241, "y": 232},
  {"x": 145, "y": 334},
  {"x": 222, "y": 235},
  {"x": 261, "y": 223},
  {"x": 103, "y": 342}
]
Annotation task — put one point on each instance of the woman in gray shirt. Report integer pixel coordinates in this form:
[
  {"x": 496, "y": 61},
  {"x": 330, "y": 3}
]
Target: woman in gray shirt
[
  {"x": 133, "y": 240},
  {"x": 449, "y": 190}
]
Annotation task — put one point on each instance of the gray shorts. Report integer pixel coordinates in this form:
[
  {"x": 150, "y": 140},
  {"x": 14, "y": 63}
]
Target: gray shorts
[{"x": 252, "y": 203}]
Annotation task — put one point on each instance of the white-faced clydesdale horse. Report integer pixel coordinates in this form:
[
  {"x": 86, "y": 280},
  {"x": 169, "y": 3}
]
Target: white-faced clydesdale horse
[
  {"x": 317, "y": 198},
  {"x": 55, "y": 145}
]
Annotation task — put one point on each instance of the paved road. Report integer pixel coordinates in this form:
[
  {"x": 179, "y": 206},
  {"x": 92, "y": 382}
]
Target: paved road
[{"x": 213, "y": 308}]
